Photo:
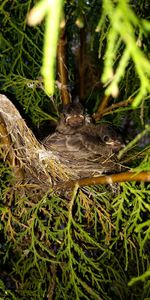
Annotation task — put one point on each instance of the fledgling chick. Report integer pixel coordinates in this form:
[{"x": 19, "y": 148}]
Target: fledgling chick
[{"x": 86, "y": 148}]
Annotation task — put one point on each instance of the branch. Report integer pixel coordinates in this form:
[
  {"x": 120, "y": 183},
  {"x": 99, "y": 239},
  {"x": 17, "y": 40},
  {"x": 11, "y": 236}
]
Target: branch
[
  {"x": 82, "y": 58},
  {"x": 62, "y": 68},
  {"x": 123, "y": 103},
  {"x": 134, "y": 141},
  {"x": 52, "y": 284},
  {"x": 98, "y": 115},
  {"x": 103, "y": 111},
  {"x": 107, "y": 179}
]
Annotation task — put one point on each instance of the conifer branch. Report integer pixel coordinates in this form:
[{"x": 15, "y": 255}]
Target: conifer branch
[
  {"x": 52, "y": 283},
  {"x": 108, "y": 179},
  {"x": 134, "y": 141}
]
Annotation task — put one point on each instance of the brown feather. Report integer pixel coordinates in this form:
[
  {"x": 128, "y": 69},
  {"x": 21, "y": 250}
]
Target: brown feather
[{"x": 86, "y": 148}]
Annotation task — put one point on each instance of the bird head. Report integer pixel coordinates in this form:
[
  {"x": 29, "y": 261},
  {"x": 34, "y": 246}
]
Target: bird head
[
  {"x": 74, "y": 115},
  {"x": 111, "y": 137},
  {"x": 71, "y": 118}
]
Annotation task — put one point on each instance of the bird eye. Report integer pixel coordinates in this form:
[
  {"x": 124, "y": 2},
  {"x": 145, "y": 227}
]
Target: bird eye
[{"x": 105, "y": 138}]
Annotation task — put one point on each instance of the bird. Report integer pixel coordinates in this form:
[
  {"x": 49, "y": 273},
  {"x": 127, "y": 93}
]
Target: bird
[{"x": 88, "y": 149}]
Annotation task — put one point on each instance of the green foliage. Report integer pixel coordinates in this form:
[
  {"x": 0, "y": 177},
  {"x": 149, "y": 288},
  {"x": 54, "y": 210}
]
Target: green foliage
[
  {"x": 52, "y": 11},
  {"x": 125, "y": 27},
  {"x": 96, "y": 245},
  {"x": 21, "y": 59},
  {"x": 88, "y": 247},
  {"x": 22, "y": 52}
]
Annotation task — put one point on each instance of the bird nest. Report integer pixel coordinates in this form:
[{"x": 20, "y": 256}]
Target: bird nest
[
  {"x": 69, "y": 154},
  {"x": 31, "y": 163}
]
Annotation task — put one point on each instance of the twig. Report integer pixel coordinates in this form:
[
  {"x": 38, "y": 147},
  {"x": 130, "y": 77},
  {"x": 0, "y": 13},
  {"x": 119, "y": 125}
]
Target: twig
[
  {"x": 98, "y": 115},
  {"x": 52, "y": 283},
  {"x": 62, "y": 68},
  {"x": 82, "y": 55},
  {"x": 134, "y": 141},
  {"x": 107, "y": 179},
  {"x": 103, "y": 111},
  {"x": 123, "y": 103}
]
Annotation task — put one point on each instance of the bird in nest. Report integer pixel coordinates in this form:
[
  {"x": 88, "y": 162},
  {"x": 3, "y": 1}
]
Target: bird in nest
[{"x": 88, "y": 149}]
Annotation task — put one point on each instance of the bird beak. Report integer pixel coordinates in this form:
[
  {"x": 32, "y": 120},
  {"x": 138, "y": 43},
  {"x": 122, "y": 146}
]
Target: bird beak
[
  {"x": 115, "y": 145},
  {"x": 75, "y": 120}
]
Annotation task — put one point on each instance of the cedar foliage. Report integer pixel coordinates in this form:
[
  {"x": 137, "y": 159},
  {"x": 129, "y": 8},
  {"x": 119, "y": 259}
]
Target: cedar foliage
[{"x": 96, "y": 245}]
